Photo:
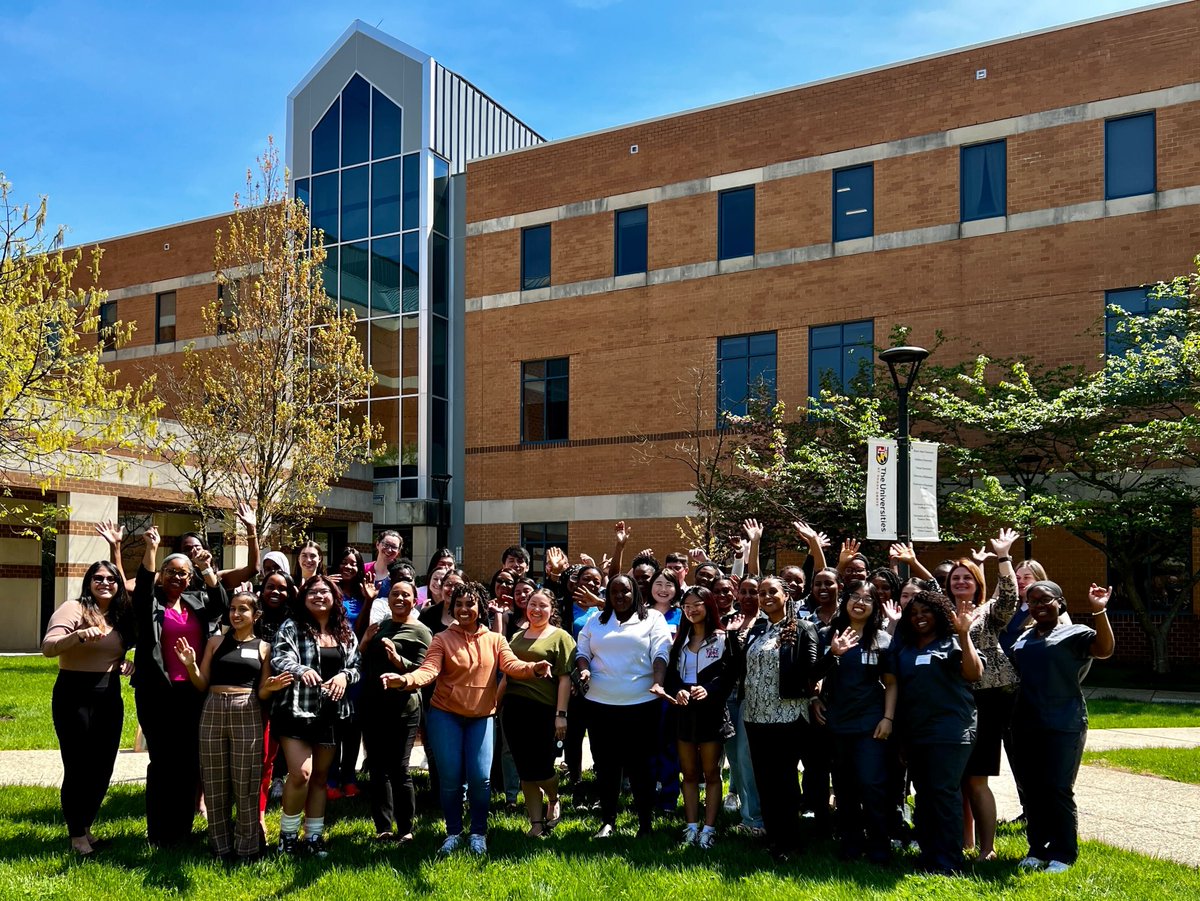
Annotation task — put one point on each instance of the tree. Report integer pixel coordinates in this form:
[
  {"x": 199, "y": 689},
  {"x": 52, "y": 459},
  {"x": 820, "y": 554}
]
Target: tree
[
  {"x": 1117, "y": 453},
  {"x": 267, "y": 417},
  {"x": 62, "y": 413}
]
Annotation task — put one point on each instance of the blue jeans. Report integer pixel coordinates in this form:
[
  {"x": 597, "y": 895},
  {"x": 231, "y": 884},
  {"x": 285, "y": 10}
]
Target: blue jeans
[
  {"x": 738, "y": 750},
  {"x": 462, "y": 748}
]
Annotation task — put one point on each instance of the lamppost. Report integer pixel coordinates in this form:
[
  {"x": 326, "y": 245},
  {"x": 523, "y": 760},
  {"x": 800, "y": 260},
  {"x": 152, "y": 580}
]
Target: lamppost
[
  {"x": 442, "y": 483},
  {"x": 896, "y": 358}
]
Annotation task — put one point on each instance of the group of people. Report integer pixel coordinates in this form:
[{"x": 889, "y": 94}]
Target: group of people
[{"x": 874, "y": 683}]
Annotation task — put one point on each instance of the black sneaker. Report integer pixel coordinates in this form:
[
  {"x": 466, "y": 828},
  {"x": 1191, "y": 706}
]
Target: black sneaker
[
  {"x": 315, "y": 847},
  {"x": 289, "y": 844}
]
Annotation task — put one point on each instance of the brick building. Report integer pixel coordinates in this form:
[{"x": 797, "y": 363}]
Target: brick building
[{"x": 1003, "y": 193}]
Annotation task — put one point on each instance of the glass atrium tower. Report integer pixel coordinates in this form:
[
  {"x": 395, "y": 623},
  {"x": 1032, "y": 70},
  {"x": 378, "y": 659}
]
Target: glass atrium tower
[{"x": 379, "y": 135}]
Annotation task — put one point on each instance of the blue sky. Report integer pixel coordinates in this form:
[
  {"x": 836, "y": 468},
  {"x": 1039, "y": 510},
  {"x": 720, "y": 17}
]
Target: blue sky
[{"x": 136, "y": 114}]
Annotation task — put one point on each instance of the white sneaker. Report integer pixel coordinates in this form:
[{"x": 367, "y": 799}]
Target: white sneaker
[
  {"x": 1057, "y": 866},
  {"x": 691, "y": 836},
  {"x": 732, "y": 803},
  {"x": 450, "y": 845},
  {"x": 605, "y": 831},
  {"x": 477, "y": 844},
  {"x": 1031, "y": 863},
  {"x": 708, "y": 838}
]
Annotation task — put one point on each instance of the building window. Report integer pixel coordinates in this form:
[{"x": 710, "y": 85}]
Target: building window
[
  {"x": 536, "y": 537},
  {"x": 735, "y": 223},
  {"x": 839, "y": 355},
  {"x": 983, "y": 181},
  {"x": 630, "y": 242},
  {"x": 535, "y": 258},
  {"x": 227, "y": 296},
  {"x": 745, "y": 372},
  {"x": 106, "y": 328},
  {"x": 165, "y": 317},
  {"x": 545, "y": 400},
  {"x": 854, "y": 203},
  {"x": 1130, "y": 302},
  {"x": 1129, "y": 163}
]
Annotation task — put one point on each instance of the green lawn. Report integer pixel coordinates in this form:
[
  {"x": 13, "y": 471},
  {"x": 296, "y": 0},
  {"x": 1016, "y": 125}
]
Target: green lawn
[
  {"x": 1177, "y": 764},
  {"x": 34, "y": 863},
  {"x": 1109, "y": 713}
]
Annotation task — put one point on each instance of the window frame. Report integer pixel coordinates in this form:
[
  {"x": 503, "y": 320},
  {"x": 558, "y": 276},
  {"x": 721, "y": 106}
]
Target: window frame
[
  {"x": 537, "y": 547},
  {"x": 814, "y": 381},
  {"x": 545, "y": 379},
  {"x": 525, "y": 235},
  {"x": 963, "y": 155},
  {"x": 723, "y": 413},
  {"x": 158, "y": 317},
  {"x": 106, "y": 322},
  {"x": 618, "y": 270},
  {"x": 839, "y": 215},
  {"x": 1115, "y": 121}
]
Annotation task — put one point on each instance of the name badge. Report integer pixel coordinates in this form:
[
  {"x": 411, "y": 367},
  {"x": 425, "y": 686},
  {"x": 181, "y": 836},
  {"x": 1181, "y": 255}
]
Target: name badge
[
  {"x": 924, "y": 659},
  {"x": 870, "y": 658},
  {"x": 249, "y": 653},
  {"x": 1020, "y": 643}
]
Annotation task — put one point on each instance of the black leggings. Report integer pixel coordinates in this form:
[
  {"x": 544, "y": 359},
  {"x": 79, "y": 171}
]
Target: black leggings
[
  {"x": 389, "y": 730},
  {"x": 169, "y": 713},
  {"x": 88, "y": 713},
  {"x": 623, "y": 739}
]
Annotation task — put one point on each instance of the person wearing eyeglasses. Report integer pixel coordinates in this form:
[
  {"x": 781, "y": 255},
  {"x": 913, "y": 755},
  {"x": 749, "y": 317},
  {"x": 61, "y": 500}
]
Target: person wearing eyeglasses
[
  {"x": 90, "y": 637},
  {"x": 167, "y": 609}
]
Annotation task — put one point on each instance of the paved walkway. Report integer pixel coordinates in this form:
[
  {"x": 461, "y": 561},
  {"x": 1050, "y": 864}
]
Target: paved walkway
[{"x": 1145, "y": 814}]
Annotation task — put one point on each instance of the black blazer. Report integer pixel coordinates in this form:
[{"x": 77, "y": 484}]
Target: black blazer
[
  {"x": 148, "y": 609},
  {"x": 797, "y": 659}
]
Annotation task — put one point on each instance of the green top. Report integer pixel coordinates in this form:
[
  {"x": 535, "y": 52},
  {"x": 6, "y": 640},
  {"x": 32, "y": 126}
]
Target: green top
[{"x": 559, "y": 648}]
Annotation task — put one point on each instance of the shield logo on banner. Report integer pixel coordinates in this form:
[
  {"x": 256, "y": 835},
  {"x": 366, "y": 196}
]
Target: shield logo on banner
[{"x": 881, "y": 454}]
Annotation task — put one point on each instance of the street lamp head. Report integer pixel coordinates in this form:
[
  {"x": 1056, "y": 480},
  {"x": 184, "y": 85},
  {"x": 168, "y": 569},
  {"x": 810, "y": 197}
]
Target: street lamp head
[{"x": 898, "y": 356}]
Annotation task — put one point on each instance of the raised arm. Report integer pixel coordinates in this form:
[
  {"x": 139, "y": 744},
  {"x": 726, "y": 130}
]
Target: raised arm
[
  {"x": 812, "y": 539},
  {"x": 617, "y": 564},
  {"x": 231, "y": 578},
  {"x": 972, "y": 666},
  {"x": 1104, "y": 643},
  {"x": 1007, "y": 597},
  {"x": 904, "y": 553},
  {"x": 754, "y": 532},
  {"x": 114, "y": 535}
]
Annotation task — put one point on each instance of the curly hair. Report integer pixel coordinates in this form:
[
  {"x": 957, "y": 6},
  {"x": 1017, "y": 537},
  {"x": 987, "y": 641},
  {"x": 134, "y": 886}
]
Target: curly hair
[
  {"x": 936, "y": 603},
  {"x": 338, "y": 625},
  {"x": 476, "y": 590}
]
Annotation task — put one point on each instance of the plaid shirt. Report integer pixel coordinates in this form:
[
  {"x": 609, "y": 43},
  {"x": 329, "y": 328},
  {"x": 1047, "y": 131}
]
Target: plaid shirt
[{"x": 295, "y": 651}]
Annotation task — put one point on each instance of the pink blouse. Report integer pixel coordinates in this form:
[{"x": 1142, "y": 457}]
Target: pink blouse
[{"x": 182, "y": 624}]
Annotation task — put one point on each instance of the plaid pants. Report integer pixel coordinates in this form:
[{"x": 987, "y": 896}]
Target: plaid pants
[{"x": 231, "y": 746}]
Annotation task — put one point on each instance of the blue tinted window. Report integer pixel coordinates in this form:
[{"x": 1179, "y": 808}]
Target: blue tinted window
[
  {"x": 356, "y": 121},
  {"x": 411, "y": 272},
  {"x": 385, "y": 276},
  {"x": 983, "y": 181},
  {"x": 325, "y": 140},
  {"x": 439, "y": 275},
  {"x": 300, "y": 189},
  {"x": 354, "y": 203},
  {"x": 1134, "y": 302},
  {"x": 1129, "y": 157},
  {"x": 839, "y": 354},
  {"x": 439, "y": 353},
  {"x": 385, "y": 197},
  {"x": 746, "y": 366},
  {"x": 630, "y": 241},
  {"x": 535, "y": 258},
  {"x": 354, "y": 278},
  {"x": 539, "y": 537},
  {"x": 412, "y": 190},
  {"x": 735, "y": 223},
  {"x": 329, "y": 273},
  {"x": 441, "y": 196},
  {"x": 439, "y": 420},
  {"x": 385, "y": 127},
  {"x": 325, "y": 206},
  {"x": 854, "y": 203},
  {"x": 545, "y": 400}
]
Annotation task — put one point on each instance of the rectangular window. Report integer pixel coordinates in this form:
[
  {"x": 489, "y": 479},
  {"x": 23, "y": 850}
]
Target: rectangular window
[
  {"x": 227, "y": 295},
  {"x": 1133, "y": 302},
  {"x": 745, "y": 372},
  {"x": 983, "y": 181},
  {"x": 854, "y": 203},
  {"x": 165, "y": 317},
  {"x": 535, "y": 258},
  {"x": 735, "y": 223},
  {"x": 1129, "y": 158},
  {"x": 839, "y": 355},
  {"x": 106, "y": 333},
  {"x": 630, "y": 242},
  {"x": 537, "y": 537},
  {"x": 545, "y": 400}
]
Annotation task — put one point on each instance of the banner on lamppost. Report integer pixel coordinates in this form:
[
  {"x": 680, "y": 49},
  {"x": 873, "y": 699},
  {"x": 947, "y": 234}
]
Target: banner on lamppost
[
  {"x": 881, "y": 489},
  {"x": 923, "y": 521},
  {"x": 882, "y": 466}
]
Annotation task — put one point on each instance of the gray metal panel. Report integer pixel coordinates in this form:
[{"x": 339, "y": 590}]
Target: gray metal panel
[
  {"x": 468, "y": 124},
  {"x": 395, "y": 74}
]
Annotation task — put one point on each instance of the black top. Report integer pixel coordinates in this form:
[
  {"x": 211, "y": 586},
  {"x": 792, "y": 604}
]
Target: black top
[
  {"x": 431, "y": 617},
  {"x": 851, "y": 688},
  {"x": 149, "y": 607},
  {"x": 936, "y": 704},
  {"x": 1052, "y": 668},
  {"x": 237, "y": 664},
  {"x": 332, "y": 662},
  {"x": 412, "y": 641}
]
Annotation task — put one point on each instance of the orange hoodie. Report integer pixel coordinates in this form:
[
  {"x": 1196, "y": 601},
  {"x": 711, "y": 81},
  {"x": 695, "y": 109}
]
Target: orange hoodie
[{"x": 464, "y": 666}]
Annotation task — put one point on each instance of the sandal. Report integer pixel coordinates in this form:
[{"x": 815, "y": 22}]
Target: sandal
[
  {"x": 537, "y": 829},
  {"x": 553, "y": 814}
]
